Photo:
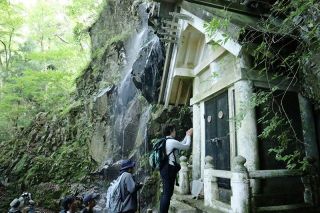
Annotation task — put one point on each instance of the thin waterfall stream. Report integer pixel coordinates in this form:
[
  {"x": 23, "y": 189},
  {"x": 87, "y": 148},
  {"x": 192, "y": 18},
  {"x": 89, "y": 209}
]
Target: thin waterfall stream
[
  {"x": 133, "y": 98},
  {"x": 132, "y": 101}
]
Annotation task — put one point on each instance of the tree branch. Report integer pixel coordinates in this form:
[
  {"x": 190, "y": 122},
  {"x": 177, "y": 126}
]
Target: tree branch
[
  {"x": 6, "y": 52},
  {"x": 9, "y": 48},
  {"x": 61, "y": 39}
]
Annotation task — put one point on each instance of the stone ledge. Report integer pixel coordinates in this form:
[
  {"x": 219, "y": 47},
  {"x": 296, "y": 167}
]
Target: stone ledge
[
  {"x": 198, "y": 205},
  {"x": 177, "y": 206}
]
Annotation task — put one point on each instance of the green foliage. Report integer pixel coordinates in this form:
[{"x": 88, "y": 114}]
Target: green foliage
[
  {"x": 38, "y": 171},
  {"x": 286, "y": 44},
  {"x": 45, "y": 24},
  {"x": 278, "y": 129},
  {"x": 10, "y": 23},
  {"x": 70, "y": 163},
  {"x": 39, "y": 58},
  {"x": 21, "y": 165},
  {"x": 51, "y": 55},
  {"x": 218, "y": 24},
  {"x": 48, "y": 195},
  {"x": 26, "y": 95},
  {"x": 35, "y": 165},
  {"x": 144, "y": 160},
  {"x": 83, "y": 13},
  {"x": 42, "y": 50},
  {"x": 256, "y": 100},
  {"x": 120, "y": 37},
  {"x": 298, "y": 33}
]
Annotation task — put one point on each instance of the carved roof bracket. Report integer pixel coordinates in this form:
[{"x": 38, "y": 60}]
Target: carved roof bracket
[{"x": 170, "y": 28}]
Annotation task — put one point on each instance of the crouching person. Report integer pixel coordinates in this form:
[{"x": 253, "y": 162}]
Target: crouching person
[
  {"x": 122, "y": 194},
  {"x": 90, "y": 201},
  {"x": 70, "y": 204},
  {"x": 15, "y": 206}
]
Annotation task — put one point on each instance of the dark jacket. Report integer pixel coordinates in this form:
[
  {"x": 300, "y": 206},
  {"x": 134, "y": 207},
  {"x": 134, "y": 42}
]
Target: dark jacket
[{"x": 86, "y": 210}]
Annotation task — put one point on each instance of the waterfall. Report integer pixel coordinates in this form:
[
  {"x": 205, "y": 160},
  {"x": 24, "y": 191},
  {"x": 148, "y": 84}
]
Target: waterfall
[
  {"x": 133, "y": 98},
  {"x": 131, "y": 110}
]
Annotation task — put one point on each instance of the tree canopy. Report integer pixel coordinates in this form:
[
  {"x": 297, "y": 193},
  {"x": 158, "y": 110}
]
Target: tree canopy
[{"x": 43, "y": 47}]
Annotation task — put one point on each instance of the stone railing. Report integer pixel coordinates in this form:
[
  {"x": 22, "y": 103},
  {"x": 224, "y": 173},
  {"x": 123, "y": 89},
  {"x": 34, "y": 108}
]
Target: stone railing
[
  {"x": 184, "y": 183},
  {"x": 211, "y": 190},
  {"x": 240, "y": 185},
  {"x": 309, "y": 179}
]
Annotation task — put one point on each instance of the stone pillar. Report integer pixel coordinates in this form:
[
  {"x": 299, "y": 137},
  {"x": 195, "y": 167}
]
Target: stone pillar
[
  {"x": 240, "y": 199},
  {"x": 309, "y": 129},
  {"x": 211, "y": 191},
  {"x": 184, "y": 183},
  {"x": 203, "y": 139},
  {"x": 196, "y": 143},
  {"x": 307, "y": 195},
  {"x": 246, "y": 128}
]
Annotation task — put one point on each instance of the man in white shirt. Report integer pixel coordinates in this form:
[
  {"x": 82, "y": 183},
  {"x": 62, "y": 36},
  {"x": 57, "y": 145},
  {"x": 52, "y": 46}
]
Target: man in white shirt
[{"x": 170, "y": 169}]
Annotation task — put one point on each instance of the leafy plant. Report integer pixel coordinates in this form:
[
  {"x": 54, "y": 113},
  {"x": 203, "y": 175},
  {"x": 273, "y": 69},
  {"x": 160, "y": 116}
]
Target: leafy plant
[
  {"x": 285, "y": 45},
  {"x": 218, "y": 24}
]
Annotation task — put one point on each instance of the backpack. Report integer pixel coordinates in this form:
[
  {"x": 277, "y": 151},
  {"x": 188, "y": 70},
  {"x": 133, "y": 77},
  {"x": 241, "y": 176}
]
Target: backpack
[
  {"x": 158, "y": 156},
  {"x": 113, "y": 197}
]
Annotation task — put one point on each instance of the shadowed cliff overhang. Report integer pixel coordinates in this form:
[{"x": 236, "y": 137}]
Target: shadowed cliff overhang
[{"x": 256, "y": 8}]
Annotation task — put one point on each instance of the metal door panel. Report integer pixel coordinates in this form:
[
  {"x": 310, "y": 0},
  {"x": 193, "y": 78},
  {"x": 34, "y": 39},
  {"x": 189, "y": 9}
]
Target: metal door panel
[{"x": 217, "y": 134}]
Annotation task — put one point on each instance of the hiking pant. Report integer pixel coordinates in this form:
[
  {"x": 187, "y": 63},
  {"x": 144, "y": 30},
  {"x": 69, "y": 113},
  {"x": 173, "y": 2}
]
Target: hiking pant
[{"x": 168, "y": 175}]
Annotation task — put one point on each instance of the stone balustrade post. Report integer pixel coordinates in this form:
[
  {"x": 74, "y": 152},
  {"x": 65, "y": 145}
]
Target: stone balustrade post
[
  {"x": 311, "y": 183},
  {"x": 315, "y": 181},
  {"x": 240, "y": 200},
  {"x": 315, "y": 188},
  {"x": 307, "y": 195},
  {"x": 211, "y": 191},
  {"x": 184, "y": 183}
]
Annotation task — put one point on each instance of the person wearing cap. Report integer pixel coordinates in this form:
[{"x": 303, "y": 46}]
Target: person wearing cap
[
  {"x": 171, "y": 168},
  {"x": 15, "y": 206},
  {"x": 90, "y": 201},
  {"x": 128, "y": 187},
  {"x": 69, "y": 204}
]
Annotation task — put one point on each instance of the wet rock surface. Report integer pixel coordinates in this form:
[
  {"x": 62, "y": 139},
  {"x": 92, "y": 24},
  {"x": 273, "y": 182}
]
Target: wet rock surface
[{"x": 147, "y": 69}]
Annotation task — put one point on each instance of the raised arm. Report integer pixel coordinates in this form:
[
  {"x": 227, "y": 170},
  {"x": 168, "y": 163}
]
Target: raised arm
[
  {"x": 174, "y": 144},
  {"x": 187, "y": 138}
]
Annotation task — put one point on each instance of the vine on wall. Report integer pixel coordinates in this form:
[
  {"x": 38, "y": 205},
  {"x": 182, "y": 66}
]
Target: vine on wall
[{"x": 285, "y": 51}]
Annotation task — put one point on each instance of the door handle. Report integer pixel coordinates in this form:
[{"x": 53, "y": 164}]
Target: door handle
[{"x": 215, "y": 140}]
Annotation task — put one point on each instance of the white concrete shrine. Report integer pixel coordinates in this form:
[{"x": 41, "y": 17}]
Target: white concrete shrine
[
  {"x": 200, "y": 69},
  {"x": 208, "y": 68}
]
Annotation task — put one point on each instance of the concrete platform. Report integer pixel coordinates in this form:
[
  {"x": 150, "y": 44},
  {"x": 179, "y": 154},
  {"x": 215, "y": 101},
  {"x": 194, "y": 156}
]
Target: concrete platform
[
  {"x": 180, "y": 207},
  {"x": 186, "y": 204}
]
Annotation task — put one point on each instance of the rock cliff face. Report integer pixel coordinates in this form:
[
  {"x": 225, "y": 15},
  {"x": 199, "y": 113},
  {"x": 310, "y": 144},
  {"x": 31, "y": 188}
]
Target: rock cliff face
[
  {"x": 121, "y": 40},
  {"x": 110, "y": 118}
]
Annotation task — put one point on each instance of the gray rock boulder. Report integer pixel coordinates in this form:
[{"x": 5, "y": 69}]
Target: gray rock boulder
[{"x": 148, "y": 68}]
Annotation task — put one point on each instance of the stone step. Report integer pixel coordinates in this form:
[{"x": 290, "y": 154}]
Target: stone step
[
  {"x": 198, "y": 205},
  {"x": 180, "y": 207}
]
